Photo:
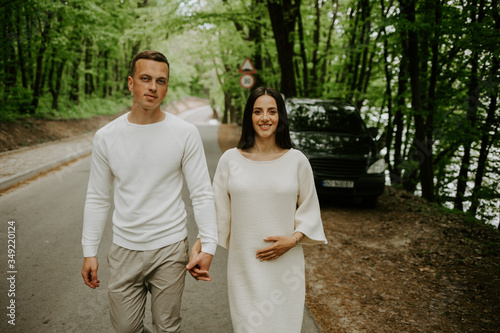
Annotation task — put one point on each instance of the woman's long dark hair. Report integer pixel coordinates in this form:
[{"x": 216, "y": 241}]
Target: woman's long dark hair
[{"x": 247, "y": 139}]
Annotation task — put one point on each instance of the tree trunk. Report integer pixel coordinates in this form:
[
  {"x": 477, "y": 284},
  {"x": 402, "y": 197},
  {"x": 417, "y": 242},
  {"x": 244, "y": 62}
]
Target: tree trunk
[
  {"x": 353, "y": 68},
  {"x": 486, "y": 142},
  {"x": 300, "y": 91},
  {"x": 305, "y": 82},
  {"x": 422, "y": 152},
  {"x": 227, "y": 107},
  {"x": 55, "y": 82},
  {"x": 470, "y": 126},
  {"x": 365, "y": 42},
  {"x": 343, "y": 76},
  {"x": 105, "y": 74},
  {"x": 74, "y": 94},
  {"x": 327, "y": 50},
  {"x": 399, "y": 114},
  {"x": 37, "y": 89},
  {"x": 118, "y": 77},
  {"x": 365, "y": 79},
  {"x": 389, "y": 131},
  {"x": 89, "y": 78},
  {"x": 283, "y": 15},
  {"x": 315, "y": 51},
  {"x": 490, "y": 126},
  {"x": 20, "y": 49},
  {"x": 255, "y": 35},
  {"x": 431, "y": 95},
  {"x": 8, "y": 54}
]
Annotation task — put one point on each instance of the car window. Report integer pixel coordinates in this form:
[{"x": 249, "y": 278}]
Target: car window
[{"x": 325, "y": 117}]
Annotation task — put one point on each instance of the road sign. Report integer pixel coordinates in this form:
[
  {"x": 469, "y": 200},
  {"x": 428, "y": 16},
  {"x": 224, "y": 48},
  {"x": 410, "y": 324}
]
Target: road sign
[
  {"x": 247, "y": 67},
  {"x": 247, "y": 81}
]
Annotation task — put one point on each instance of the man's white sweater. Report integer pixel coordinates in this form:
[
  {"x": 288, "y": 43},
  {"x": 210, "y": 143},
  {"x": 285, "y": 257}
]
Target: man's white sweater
[{"x": 143, "y": 166}]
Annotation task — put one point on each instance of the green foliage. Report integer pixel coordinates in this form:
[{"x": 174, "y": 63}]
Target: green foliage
[
  {"x": 16, "y": 99},
  {"x": 87, "y": 108}
]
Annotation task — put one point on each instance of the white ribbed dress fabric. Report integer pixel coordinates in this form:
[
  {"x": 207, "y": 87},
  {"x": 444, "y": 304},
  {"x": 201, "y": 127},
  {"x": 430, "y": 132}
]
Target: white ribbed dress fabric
[{"x": 254, "y": 200}]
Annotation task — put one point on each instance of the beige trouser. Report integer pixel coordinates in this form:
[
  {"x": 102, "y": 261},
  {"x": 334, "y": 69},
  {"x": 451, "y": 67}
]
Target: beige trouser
[{"x": 133, "y": 274}]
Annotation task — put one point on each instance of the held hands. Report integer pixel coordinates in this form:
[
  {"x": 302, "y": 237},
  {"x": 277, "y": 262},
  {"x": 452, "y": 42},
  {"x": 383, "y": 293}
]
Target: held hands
[
  {"x": 199, "y": 263},
  {"x": 89, "y": 272},
  {"x": 280, "y": 246}
]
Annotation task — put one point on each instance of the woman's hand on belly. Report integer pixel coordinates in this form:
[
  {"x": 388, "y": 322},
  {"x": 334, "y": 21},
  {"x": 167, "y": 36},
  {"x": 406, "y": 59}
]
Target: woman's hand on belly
[{"x": 280, "y": 246}]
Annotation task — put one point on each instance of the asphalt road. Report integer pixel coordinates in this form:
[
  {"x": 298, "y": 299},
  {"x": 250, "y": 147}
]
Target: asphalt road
[{"x": 45, "y": 284}]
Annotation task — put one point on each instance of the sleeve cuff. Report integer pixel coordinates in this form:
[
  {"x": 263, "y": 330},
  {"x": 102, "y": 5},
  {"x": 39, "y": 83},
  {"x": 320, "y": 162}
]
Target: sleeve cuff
[
  {"x": 89, "y": 251},
  {"x": 309, "y": 239},
  {"x": 208, "y": 248}
]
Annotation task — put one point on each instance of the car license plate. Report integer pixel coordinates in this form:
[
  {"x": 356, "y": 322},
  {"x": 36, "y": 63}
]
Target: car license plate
[{"x": 338, "y": 183}]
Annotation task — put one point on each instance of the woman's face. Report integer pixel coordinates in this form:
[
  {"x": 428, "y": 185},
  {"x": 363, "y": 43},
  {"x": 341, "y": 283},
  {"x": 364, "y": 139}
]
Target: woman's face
[{"x": 265, "y": 117}]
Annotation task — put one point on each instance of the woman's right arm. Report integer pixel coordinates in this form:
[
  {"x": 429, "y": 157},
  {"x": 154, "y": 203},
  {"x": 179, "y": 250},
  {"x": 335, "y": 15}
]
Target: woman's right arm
[{"x": 222, "y": 201}]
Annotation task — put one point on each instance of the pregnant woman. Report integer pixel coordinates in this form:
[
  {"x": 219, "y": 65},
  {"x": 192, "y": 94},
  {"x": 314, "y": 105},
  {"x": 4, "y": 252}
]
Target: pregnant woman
[{"x": 267, "y": 208}]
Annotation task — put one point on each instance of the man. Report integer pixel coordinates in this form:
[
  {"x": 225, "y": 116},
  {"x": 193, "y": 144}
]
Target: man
[{"x": 142, "y": 156}]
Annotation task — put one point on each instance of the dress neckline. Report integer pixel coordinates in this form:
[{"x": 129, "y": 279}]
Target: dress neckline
[{"x": 254, "y": 161}]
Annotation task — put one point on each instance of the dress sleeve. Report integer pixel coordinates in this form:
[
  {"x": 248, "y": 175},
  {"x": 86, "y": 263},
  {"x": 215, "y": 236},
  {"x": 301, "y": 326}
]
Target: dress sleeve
[
  {"x": 222, "y": 201},
  {"x": 308, "y": 213}
]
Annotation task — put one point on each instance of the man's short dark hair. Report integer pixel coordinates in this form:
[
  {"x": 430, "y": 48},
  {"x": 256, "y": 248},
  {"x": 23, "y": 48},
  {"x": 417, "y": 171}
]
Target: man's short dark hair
[{"x": 149, "y": 55}]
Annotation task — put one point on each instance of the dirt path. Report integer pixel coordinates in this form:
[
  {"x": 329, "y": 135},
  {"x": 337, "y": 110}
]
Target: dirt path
[{"x": 405, "y": 266}]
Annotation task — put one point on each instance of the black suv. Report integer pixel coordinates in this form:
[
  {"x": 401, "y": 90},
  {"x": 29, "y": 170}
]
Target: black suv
[{"x": 340, "y": 148}]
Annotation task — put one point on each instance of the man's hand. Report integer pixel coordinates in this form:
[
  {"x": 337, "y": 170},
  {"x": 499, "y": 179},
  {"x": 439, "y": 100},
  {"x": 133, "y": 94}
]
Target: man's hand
[
  {"x": 199, "y": 263},
  {"x": 89, "y": 272},
  {"x": 280, "y": 246}
]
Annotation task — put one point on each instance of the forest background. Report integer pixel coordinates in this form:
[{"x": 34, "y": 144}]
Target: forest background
[{"x": 424, "y": 72}]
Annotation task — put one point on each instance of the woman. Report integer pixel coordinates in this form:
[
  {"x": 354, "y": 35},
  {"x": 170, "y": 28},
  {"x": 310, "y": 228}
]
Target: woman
[{"x": 267, "y": 208}]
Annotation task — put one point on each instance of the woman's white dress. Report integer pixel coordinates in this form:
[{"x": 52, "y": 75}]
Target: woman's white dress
[{"x": 254, "y": 200}]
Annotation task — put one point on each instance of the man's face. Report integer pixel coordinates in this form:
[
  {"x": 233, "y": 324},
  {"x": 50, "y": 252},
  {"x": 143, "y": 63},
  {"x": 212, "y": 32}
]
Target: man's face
[{"x": 149, "y": 84}]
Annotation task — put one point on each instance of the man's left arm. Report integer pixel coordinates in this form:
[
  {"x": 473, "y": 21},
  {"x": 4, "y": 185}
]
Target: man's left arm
[{"x": 194, "y": 167}]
